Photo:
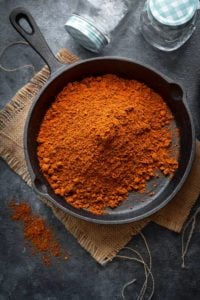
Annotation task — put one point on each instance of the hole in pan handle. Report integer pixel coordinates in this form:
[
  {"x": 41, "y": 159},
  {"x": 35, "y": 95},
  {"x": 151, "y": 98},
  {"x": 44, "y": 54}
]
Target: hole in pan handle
[{"x": 34, "y": 37}]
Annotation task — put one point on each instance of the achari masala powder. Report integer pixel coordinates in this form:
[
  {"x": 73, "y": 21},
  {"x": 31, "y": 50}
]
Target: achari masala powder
[
  {"x": 102, "y": 138},
  {"x": 39, "y": 235}
]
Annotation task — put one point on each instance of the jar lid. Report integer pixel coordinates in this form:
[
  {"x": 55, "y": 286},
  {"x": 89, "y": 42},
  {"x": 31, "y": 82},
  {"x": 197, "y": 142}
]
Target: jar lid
[
  {"x": 173, "y": 12},
  {"x": 85, "y": 33}
]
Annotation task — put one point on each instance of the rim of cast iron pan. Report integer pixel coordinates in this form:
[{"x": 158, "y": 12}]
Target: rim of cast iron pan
[{"x": 93, "y": 217}]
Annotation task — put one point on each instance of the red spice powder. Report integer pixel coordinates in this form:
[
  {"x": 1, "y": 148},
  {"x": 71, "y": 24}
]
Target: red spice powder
[
  {"x": 104, "y": 137},
  {"x": 36, "y": 231}
]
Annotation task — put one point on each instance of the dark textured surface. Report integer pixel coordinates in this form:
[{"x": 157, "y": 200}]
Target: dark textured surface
[{"x": 22, "y": 276}]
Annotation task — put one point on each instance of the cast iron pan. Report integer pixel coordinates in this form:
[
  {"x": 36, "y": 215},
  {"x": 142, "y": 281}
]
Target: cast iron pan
[{"x": 138, "y": 206}]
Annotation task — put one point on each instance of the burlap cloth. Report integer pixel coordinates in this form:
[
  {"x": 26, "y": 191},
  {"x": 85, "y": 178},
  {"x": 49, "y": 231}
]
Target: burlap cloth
[{"x": 101, "y": 241}]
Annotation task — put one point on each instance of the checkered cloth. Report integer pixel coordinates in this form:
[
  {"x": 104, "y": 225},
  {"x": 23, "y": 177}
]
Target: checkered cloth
[{"x": 173, "y": 12}]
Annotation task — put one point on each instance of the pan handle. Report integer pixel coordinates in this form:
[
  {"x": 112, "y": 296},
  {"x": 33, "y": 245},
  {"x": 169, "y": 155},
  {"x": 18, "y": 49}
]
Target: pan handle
[{"x": 34, "y": 37}]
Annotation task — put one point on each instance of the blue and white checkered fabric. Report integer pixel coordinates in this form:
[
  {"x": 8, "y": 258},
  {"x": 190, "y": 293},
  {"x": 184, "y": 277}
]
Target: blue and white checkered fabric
[{"x": 173, "y": 12}]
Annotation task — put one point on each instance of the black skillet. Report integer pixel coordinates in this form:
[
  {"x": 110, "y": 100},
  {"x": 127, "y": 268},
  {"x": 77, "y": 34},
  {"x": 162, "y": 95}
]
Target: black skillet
[{"x": 137, "y": 206}]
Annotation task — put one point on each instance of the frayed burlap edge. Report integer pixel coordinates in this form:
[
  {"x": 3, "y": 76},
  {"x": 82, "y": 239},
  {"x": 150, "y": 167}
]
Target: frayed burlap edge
[{"x": 101, "y": 241}]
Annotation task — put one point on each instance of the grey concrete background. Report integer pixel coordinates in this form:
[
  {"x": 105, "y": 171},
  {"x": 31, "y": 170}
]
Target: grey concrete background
[{"x": 22, "y": 276}]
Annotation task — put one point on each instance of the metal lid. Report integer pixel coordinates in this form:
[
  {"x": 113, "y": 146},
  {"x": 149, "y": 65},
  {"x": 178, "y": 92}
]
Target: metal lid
[
  {"x": 173, "y": 12},
  {"x": 85, "y": 33}
]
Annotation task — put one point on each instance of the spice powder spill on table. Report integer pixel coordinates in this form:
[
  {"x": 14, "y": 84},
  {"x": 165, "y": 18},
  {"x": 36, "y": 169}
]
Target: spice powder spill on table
[
  {"x": 36, "y": 231},
  {"x": 103, "y": 137}
]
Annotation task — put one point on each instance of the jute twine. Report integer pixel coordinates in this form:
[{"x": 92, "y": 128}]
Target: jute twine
[{"x": 103, "y": 242}]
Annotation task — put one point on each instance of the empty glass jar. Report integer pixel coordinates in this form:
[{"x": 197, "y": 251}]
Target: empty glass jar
[
  {"x": 94, "y": 21},
  {"x": 168, "y": 24}
]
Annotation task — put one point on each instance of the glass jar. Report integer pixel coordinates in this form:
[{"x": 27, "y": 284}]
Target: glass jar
[
  {"x": 94, "y": 21},
  {"x": 168, "y": 24}
]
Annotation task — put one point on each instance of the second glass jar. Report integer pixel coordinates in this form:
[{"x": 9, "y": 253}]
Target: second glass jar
[{"x": 167, "y": 24}]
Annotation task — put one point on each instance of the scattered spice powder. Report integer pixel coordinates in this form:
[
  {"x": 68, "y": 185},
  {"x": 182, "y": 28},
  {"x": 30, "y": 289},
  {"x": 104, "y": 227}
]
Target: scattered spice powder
[
  {"x": 36, "y": 231},
  {"x": 103, "y": 137}
]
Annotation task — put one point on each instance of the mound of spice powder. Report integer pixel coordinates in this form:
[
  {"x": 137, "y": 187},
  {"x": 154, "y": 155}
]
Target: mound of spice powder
[
  {"x": 103, "y": 137},
  {"x": 36, "y": 231}
]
